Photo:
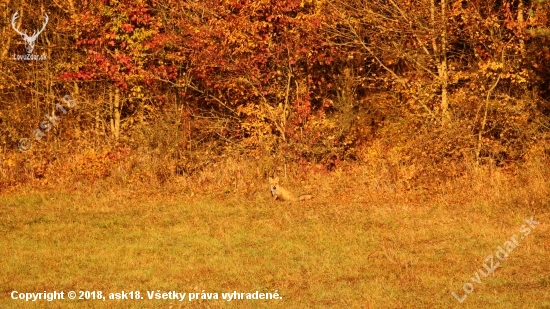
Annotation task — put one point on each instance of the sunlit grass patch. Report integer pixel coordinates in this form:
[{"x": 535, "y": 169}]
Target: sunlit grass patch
[{"x": 360, "y": 253}]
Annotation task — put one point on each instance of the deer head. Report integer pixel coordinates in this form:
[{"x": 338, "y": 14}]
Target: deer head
[{"x": 29, "y": 40}]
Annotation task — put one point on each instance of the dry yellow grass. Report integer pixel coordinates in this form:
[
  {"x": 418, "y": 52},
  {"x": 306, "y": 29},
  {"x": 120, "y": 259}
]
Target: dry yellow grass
[{"x": 363, "y": 242}]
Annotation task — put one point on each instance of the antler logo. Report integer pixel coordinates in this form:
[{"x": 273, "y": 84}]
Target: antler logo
[{"x": 29, "y": 40}]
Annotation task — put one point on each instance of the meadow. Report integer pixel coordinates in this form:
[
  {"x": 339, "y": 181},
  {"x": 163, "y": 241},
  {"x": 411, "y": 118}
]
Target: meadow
[{"x": 357, "y": 244}]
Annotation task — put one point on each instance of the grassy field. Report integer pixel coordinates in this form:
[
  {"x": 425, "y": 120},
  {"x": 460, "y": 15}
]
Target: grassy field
[{"x": 339, "y": 250}]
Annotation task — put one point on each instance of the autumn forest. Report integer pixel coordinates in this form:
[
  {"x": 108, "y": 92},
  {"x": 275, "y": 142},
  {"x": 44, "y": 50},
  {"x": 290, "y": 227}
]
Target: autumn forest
[{"x": 438, "y": 83}]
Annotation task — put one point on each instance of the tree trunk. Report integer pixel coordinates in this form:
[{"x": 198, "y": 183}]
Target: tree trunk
[
  {"x": 444, "y": 66},
  {"x": 6, "y": 47},
  {"x": 521, "y": 20},
  {"x": 440, "y": 55},
  {"x": 115, "y": 112}
]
